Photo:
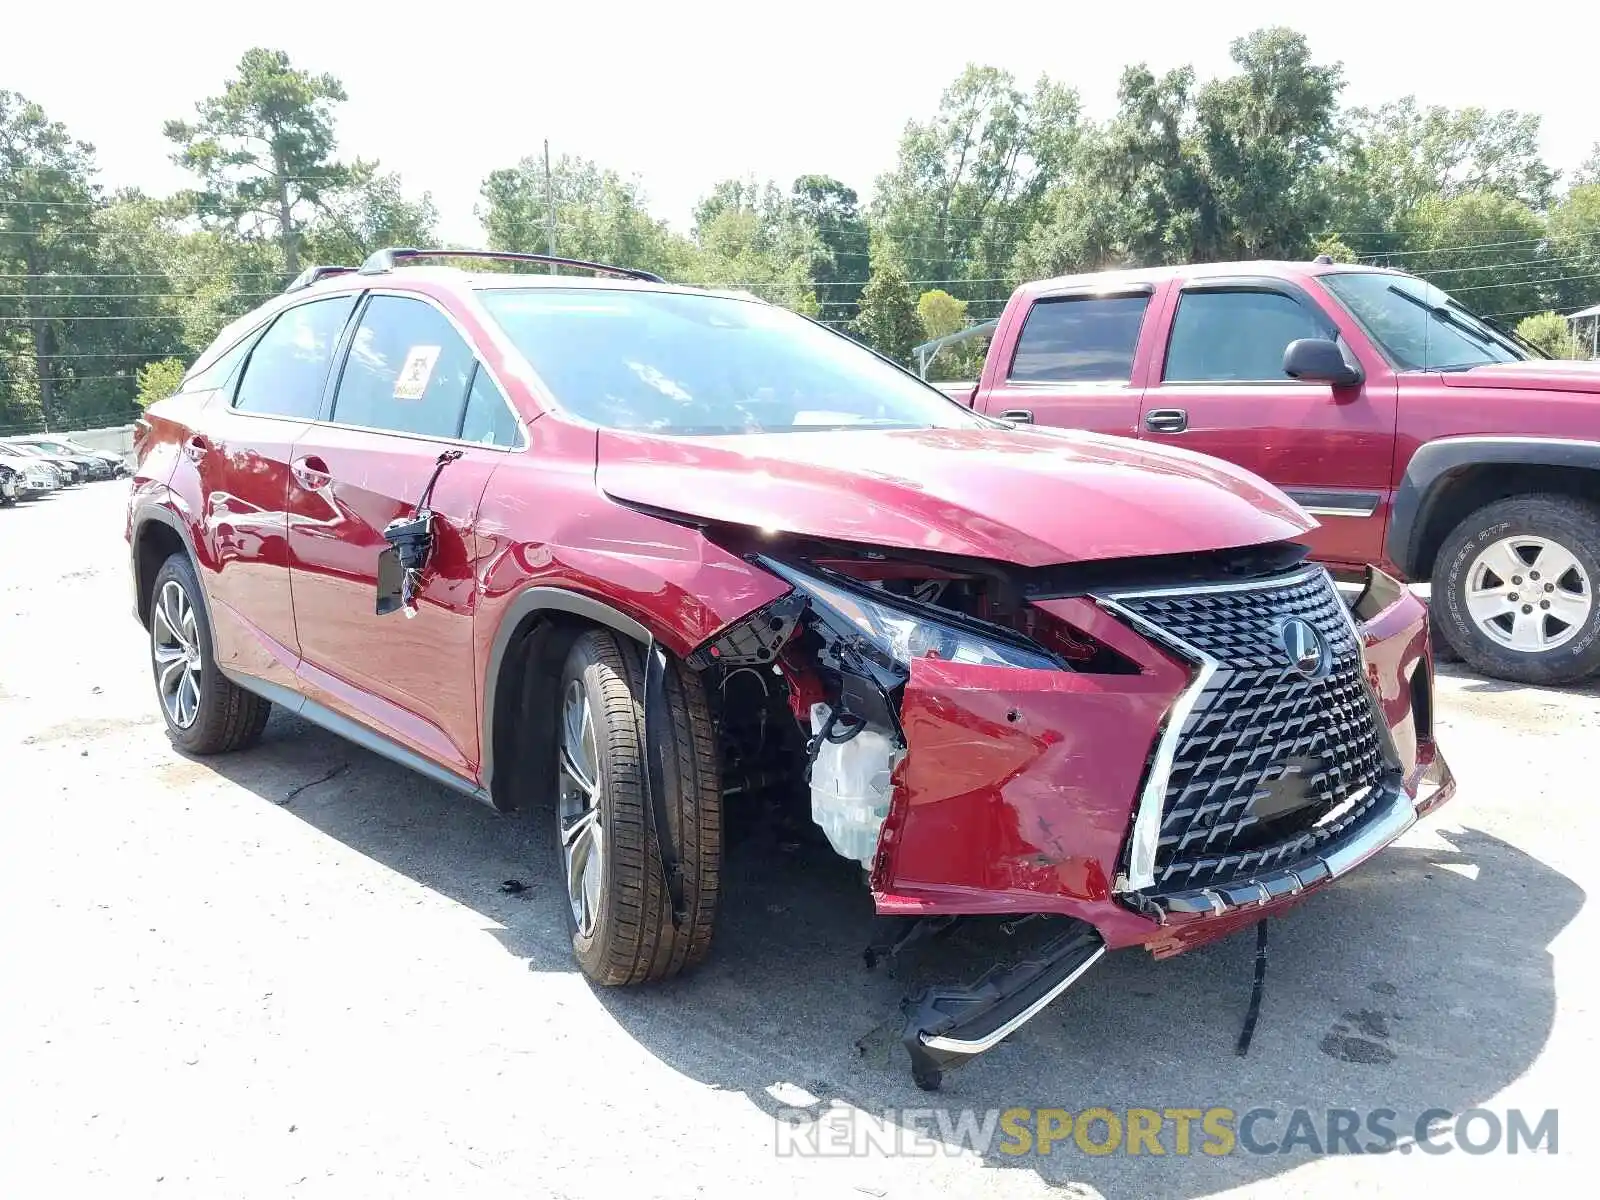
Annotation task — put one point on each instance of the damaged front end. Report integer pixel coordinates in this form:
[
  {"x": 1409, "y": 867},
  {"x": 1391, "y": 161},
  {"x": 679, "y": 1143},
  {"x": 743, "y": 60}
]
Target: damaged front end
[{"x": 1153, "y": 752}]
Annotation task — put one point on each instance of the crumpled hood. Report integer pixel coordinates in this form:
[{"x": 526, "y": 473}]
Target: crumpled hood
[
  {"x": 1032, "y": 497},
  {"x": 1535, "y": 374}
]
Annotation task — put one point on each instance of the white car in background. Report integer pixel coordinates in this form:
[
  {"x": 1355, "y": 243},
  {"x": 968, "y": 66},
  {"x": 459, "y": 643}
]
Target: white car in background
[
  {"x": 104, "y": 464},
  {"x": 39, "y": 477}
]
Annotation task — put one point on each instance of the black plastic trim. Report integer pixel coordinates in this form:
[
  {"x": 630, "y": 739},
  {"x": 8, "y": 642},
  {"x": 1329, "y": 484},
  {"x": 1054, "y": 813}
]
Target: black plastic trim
[
  {"x": 527, "y": 602},
  {"x": 1429, "y": 472}
]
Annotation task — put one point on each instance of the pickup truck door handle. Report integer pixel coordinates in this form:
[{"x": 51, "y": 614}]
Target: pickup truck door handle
[
  {"x": 1166, "y": 420},
  {"x": 312, "y": 473},
  {"x": 1023, "y": 416}
]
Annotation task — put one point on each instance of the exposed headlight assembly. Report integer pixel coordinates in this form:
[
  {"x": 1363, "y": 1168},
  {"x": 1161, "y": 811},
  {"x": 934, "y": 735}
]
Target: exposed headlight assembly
[{"x": 900, "y": 630}]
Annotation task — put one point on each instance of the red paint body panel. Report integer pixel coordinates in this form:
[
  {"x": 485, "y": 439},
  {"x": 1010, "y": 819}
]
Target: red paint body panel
[
  {"x": 1351, "y": 444},
  {"x": 1031, "y": 497}
]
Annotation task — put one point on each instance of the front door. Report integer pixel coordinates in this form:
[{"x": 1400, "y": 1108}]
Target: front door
[
  {"x": 409, "y": 389},
  {"x": 1221, "y": 390}
]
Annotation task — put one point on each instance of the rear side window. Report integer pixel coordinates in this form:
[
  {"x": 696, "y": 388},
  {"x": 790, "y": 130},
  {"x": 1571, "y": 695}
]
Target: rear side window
[
  {"x": 289, "y": 365},
  {"x": 408, "y": 370},
  {"x": 1079, "y": 339},
  {"x": 221, "y": 369},
  {"x": 488, "y": 420},
  {"x": 1221, "y": 336}
]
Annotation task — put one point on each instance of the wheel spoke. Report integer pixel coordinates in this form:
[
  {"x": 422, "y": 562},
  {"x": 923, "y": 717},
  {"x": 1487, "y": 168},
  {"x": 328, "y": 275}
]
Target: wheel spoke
[
  {"x": 1487, "y": 604},
  {"x": 580, "y": 827},
  {"x": 170, "y": 673},
  {"x": 188, "y": 699},
  {"x": 1527, "y": 630},
  {"x": 574, "y": 771},
  {"x": 1571, "y": 608},
  {"x": 1504, "y": 561},
  {"x": 169, "y": 654},
  {"x": 170, "y": 633},
  {"x": 1553, "y": 562}
]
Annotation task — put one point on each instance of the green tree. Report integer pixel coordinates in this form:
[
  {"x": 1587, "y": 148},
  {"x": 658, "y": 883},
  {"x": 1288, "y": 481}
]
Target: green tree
[
  {"x": 47, "y": 203},
  {"x": 1391, "y": 158},
  {"x": 368, "y": 216},
  {"x": 752, "y": 237},
  {"x": 1262, "y": 133},
  {"x": 264, "y": 151},
  {"x": 834, "y": 211},
  {"x": 1589, "y": 172},
  {"x": 888, "y": 321},
  {"x": 968, "y": 184},
  {"x": 1460, "y": 243},
  {"x": 1573, "y": 247},
  {"x": 600, "y": 215},
  {"x": 159, "y": 379},
  {"x": 940, "y": 313}
]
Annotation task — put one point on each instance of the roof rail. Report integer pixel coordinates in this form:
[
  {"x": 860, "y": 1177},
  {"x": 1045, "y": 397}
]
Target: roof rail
[
  {"x": 311, "y": 274},
  {"x": 384, "y": 260}
]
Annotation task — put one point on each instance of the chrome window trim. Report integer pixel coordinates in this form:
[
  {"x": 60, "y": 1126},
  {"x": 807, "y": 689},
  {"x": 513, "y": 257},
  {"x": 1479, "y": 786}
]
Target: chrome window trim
[{"x": 523, "y": 439}]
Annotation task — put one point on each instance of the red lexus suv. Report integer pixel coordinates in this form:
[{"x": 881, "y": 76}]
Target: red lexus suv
[{"x": 644, "y": 553}]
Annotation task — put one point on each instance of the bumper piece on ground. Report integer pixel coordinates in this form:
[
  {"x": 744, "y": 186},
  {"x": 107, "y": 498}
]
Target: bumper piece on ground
[{"x": 947, "y": 1026}]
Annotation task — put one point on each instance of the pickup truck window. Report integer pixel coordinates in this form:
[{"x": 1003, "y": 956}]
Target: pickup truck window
[
  {"x": 1235, "y": 335},
  {"x": 1074, "y": 339},
  {"x": 1417, "y": 326}
]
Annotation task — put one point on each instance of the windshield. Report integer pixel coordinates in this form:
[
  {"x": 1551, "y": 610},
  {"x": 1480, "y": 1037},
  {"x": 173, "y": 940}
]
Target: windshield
[
  {"x": 665, "y": 362},
  {"x": 1418, "y": 326}
]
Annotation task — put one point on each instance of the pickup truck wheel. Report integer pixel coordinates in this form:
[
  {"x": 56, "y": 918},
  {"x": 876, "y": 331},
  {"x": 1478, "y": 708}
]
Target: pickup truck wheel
[
  {"x": 1515, "y": 588},
  {"x": 619, "y": 910},
  {"x": 205, "y": 711}
]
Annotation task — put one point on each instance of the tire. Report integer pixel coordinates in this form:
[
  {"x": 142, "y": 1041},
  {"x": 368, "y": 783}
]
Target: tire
[
  {"x": 618, "y": 912},
  {"x": 222, "y": 716},
  {"x": 1519, "y": 535}
]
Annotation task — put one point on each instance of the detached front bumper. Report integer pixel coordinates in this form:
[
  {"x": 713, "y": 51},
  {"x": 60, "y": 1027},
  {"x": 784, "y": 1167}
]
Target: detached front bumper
[{"x": 1118, "y": 800}]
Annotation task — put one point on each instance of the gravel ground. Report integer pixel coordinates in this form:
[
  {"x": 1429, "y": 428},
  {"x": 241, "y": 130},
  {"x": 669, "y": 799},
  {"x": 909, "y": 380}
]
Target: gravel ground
[{"x": 297, "y": 971}]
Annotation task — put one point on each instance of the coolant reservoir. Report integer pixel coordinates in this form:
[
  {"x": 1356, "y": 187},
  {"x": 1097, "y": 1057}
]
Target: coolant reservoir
[{"x": 850, "y": 788}]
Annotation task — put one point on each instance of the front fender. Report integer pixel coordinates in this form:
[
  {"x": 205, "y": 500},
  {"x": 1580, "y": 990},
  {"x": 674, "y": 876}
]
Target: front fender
[{"x": 1432, "y": 467}]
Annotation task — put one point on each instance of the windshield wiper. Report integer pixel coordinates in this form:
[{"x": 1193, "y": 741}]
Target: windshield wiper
[{"x": 1442, "y": 313}]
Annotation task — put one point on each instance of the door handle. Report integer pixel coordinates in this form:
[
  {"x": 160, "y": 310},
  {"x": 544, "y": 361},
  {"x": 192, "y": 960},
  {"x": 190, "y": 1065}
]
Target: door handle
[
  {"x": 195, "y": 447},
  {"x": 312, "y": 473},
  {"x": 1166, "y": 420},
  {"x": 1021, "y": 415}
]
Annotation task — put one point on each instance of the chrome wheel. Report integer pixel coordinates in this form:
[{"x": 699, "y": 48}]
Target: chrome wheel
[
  {"x": 1528, "y": 593},
  {"x": 583, "y": 847},
  {"x": 175, "y": 647}
]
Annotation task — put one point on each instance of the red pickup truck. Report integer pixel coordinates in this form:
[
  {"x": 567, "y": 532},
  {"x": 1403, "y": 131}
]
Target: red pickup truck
[{"x": 1422, "y": 437}]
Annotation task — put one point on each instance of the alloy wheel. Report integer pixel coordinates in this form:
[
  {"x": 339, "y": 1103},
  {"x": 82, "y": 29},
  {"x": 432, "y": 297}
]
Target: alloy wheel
[
  {"x": 175, "y": 647},
  {"x": 578, "y": 809},
  {"x": 1528, "y": 593}
]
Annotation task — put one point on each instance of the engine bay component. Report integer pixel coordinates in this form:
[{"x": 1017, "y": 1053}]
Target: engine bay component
[{"x": 851, "y": 783}]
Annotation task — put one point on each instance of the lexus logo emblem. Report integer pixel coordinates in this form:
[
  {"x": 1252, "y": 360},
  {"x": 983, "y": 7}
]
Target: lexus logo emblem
[{"x": 1302, "y": 644}]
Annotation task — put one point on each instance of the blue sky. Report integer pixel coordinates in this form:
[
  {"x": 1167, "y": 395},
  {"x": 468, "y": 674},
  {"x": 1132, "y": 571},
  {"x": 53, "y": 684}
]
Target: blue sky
[{"x": 685, "y": 93}]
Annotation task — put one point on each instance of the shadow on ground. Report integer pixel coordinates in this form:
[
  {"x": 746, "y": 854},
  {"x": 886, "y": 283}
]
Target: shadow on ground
[{"x": 1422, "y": 981}]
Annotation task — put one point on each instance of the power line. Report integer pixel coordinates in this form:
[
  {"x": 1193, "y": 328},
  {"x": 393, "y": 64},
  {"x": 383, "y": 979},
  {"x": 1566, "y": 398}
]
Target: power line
[{"x": 1478, "y": 287}]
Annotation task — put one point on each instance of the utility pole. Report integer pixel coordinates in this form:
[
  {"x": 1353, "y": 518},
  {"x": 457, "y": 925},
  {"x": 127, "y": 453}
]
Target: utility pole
[{"x": 549, "y": 208}]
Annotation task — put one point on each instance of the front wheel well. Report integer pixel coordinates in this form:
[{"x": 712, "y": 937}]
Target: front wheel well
[
  {"x": 522, "y": 727},
  {"x": 1462, "y": 492},
  {"x": 154, "y": 543}
]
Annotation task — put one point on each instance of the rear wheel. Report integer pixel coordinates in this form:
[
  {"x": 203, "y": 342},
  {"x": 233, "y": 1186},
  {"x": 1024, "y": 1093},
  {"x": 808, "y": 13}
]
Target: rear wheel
[
  {"x": 619, "y": 910},
  {"x": 1515, "y": 587},
  {"x": 205, "y": 711}
]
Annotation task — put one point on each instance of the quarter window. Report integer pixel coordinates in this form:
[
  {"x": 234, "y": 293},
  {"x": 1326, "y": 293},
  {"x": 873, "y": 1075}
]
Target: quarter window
[
  {"x": 288, "y": 368},
  {"x": 488, "y": 419},
  {"x": 1079, "y": 339},
  {"x": 1222, "y": 336},
  {"x": 407, "y": 370}
]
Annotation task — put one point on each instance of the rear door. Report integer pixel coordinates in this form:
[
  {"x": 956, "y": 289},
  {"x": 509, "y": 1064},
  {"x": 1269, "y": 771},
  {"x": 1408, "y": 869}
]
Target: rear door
[
  {"x": 1076, "y": 362},
  {"x": 1220, "y": 389},
  {"x": 409, "y": 388},
  {"x": 267, "y": 388}
]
